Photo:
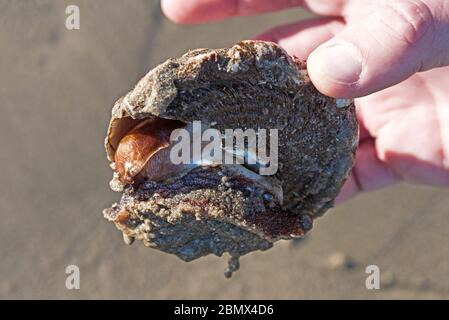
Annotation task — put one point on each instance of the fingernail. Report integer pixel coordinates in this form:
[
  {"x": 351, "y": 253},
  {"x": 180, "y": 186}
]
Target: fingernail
[{"x": 341, "y": 63}]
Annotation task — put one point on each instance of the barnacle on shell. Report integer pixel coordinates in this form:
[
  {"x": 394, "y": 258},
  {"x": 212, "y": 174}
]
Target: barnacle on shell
[{"x": 192, "y": 211}]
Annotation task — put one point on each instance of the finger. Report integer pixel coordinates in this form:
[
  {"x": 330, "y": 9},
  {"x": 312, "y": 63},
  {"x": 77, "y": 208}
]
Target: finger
[
  {"x": 301, "y": 38},
  {"x": 368, "y": 174},
  {"x": 398, "y": 39},
  {"x": 364, "y": 133},
  {"x": 198, "y": 11},
  {"x": 411, "y": 133}
]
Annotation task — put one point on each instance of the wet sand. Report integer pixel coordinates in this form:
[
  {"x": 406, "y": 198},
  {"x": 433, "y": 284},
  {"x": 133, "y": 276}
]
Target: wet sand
[{"x": 56, "y": 91}]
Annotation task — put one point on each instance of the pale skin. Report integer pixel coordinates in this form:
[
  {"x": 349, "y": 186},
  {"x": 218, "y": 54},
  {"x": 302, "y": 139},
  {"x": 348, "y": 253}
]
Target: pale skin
[{"x": 391, "y": 55}]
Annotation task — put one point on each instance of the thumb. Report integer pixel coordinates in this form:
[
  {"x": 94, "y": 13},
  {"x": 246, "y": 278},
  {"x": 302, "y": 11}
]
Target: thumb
[{"x": 390, "y": 44}]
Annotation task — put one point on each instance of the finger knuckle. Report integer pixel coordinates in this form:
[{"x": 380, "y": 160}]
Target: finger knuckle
[{"x": 408, "y": 20}]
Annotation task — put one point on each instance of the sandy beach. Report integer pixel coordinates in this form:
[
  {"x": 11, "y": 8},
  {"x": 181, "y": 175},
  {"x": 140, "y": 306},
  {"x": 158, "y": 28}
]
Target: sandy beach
[{"x": 57, "y": 87}]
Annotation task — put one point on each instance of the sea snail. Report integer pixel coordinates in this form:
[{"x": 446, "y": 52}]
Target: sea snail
[{"x": 196, "y": 209}]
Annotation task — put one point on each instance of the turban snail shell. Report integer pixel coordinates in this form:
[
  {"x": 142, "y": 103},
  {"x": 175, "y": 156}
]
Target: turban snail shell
[{"x": 195, "y": 210}]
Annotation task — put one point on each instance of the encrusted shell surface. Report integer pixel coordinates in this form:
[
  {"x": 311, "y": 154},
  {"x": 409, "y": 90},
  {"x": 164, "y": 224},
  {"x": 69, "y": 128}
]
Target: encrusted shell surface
[{"x": 254, "y": 85}]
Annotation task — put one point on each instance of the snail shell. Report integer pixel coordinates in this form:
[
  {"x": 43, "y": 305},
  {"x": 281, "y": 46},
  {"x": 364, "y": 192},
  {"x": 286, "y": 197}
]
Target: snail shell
[{"x": 217, "y": 209}]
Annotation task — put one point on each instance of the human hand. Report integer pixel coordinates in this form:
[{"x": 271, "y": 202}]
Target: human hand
[{"x": 393, "y": 54}]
